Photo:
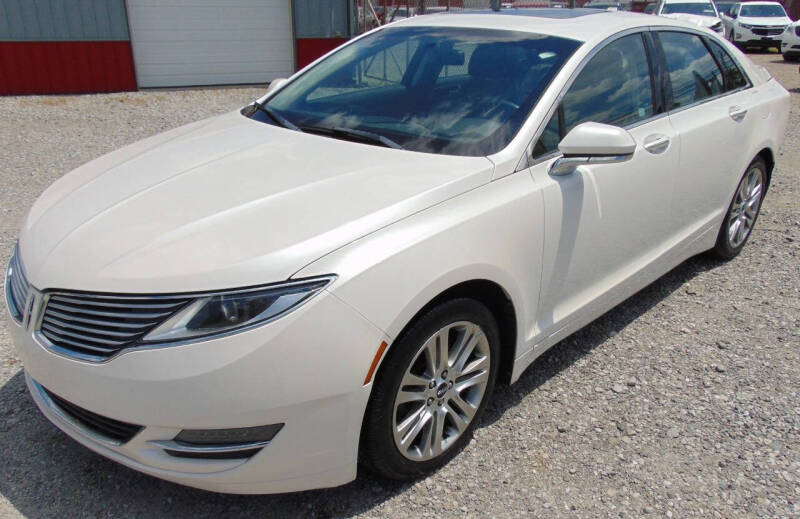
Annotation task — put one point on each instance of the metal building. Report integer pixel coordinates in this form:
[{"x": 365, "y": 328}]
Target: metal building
[{"x": 77, "y": 46}]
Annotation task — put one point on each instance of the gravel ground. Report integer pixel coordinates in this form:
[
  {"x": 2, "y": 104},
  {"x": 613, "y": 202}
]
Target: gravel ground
[{"x": 683, "y": 401}]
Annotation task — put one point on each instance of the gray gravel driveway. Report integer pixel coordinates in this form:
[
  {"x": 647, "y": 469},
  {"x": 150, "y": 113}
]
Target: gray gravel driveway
[{"x": 684, "y": 401}]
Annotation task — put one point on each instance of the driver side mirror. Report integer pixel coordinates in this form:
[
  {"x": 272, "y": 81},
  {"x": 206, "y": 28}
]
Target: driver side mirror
[
  {"x": 276, "y": 84},
  {"x": 593, "y": 143}
]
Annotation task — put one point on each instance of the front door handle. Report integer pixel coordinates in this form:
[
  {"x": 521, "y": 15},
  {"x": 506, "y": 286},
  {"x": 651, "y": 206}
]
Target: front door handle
[
  {"x": 656, "y": 143},
  {"x": 737, "y": 113}
]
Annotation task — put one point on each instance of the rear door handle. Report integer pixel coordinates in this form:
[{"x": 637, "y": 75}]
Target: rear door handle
[
  {"x": 656, "y": 143},
  {"x": 737, "y": 113}
]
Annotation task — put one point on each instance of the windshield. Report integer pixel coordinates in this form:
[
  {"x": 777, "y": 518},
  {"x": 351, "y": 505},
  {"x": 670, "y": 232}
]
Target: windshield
[
  {"x": 453, "y": 91},
  {"x": 724, "y": 7},
  {"x": 701, "y": 8},
  {"x": 762, "y": 10}
]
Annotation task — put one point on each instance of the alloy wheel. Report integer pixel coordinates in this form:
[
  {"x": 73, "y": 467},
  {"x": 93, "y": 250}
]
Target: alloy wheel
[
  {"x": 441, "y": 390},
  {"x": 745, "y": 207}
]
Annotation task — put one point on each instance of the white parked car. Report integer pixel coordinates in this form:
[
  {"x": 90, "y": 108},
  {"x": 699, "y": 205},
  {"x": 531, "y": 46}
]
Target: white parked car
[
  {"x": 344, "y": 269},
  {"x": 790, "y": 42},
  {"x": 756, "y": 24},
  {"x": 699, "y": 12}
]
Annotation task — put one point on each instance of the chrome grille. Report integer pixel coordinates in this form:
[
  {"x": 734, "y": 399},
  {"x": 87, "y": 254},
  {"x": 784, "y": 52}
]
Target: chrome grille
[
  {"x": 97, "y": 326},
  {"x": 17, "y": 287}
]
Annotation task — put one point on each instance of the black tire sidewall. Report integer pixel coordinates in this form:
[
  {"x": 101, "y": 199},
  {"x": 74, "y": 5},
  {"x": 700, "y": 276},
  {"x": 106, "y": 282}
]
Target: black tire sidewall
[{"x": 378, "y": 448}]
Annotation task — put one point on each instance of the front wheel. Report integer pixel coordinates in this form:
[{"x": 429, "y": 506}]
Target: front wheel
[
  {"x": 431, "y": 390},
  {"x": 742, "y": 212}
]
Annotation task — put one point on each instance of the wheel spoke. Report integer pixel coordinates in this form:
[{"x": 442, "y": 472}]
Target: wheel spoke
[
  {"x": 442, "y": 349},
  {"x": 733, "y": 231},
  {"x": 480, "y": 377},
  {"x": 465, "y": 348},
  {"x": 466, "y": 407},
  {"x": 416, "y": 423},
  {"x": 411, "y": 379},
  {"x": 481, "y": 363},
  {"x": 438, "y": 432},
  {"x": 459, "y": 423},
  {"x": 430, "y": 356},
  {"x": 405, "y": 396}
]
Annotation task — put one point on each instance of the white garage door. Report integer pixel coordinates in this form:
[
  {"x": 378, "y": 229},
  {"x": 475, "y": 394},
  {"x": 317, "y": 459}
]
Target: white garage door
[{"x": 210, "y": 42}]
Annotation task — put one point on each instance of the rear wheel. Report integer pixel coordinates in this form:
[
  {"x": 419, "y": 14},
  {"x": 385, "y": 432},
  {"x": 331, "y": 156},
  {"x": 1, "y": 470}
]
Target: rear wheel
[
  {"x": 742, "y": 212},
  {"x": 431, "y": 390}
]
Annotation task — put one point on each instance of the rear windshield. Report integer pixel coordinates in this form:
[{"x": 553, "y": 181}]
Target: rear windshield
[
  {"x": 700, "y": 8},
  {"x": 453, "y": 91}
]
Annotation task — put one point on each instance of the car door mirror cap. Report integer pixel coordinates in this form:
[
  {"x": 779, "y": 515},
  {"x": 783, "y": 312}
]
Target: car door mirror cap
[{"x": 593, "y": 143}]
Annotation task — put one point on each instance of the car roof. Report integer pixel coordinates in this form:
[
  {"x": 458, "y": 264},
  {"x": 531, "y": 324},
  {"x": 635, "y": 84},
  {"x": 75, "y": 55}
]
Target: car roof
[
  {"x": 762, "y": 3},
  {"x": 576, "y": 24}
]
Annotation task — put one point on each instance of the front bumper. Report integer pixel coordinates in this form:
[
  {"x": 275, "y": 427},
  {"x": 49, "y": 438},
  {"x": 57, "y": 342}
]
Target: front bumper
[
  {"x": 305, "y": 370},
  {"x": 790, "y": 46}
]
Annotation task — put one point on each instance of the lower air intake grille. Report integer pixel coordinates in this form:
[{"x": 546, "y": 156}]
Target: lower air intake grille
[
  {"x": 97, "y": 326},
  {"x": 114, "y": 430}
]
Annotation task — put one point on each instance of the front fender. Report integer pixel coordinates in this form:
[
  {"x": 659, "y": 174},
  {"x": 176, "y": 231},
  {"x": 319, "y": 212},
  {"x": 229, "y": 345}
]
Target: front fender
[{"x": 492, "y": 233}]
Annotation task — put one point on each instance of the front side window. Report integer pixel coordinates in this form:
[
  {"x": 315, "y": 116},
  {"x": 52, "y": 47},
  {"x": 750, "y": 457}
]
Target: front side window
[
  {"x": 454, "y": 91},
  {"x": 613, "y": 88},
  {"x": 733, "y": 75},
  {"x": 699, "y": 8},
  {"x": 692, "y": 70},
  {"x": 763, "y": 11}
]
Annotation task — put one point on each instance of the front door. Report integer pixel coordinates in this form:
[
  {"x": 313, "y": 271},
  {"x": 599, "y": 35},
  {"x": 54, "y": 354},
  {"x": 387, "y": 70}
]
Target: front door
[{"x": 604, "y": 222}]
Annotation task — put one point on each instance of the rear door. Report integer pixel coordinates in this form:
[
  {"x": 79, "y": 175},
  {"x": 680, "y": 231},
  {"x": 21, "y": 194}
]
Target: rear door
[
  {"x": 604, "y": 223},
  {"x": 709, "y": 101}
]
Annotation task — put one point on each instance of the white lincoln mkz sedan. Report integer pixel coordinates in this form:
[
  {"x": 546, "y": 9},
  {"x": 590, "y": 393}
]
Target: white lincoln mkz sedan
[{"x": 342, "y": 271}]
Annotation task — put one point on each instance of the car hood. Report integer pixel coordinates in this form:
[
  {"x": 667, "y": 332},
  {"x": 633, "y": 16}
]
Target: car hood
[
  {"x": 224, "y": 203},
  {"x": 769, "y": 21},
  {"x": 702, "y": 21}
]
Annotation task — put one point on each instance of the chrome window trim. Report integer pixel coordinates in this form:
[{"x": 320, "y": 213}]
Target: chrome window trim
[
  {"x": 144, "y": 346},
  {"x": 543, "y": 124},
  {"x": 533, "y": 161}
]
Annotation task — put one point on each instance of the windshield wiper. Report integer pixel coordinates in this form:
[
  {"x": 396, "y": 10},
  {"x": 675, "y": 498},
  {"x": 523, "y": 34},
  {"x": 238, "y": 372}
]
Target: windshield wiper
[
  {"x": 361, "y": 135},
  {"x": 275, "y": 116}
]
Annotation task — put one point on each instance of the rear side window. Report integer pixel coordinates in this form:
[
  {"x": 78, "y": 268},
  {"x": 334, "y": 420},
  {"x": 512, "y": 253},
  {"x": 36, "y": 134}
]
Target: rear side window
[
  {"x": 613, "y": 88},
  {"x": 692, "y": 70},
  {"x": 734, "y": 77}
]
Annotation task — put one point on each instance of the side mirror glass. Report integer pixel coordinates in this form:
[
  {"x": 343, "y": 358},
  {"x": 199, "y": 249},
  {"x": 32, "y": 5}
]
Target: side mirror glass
[{"x": 593, "y": 143}]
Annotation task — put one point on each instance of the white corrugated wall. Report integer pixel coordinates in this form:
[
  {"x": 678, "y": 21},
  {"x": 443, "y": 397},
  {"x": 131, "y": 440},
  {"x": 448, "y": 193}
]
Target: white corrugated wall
[{"x": 210, "y": 42}]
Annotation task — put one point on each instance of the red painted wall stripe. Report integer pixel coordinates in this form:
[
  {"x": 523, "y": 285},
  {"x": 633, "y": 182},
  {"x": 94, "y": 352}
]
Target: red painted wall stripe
[
  {"x": 309, "y": 49},
  {"x": 66, "y": 67}
]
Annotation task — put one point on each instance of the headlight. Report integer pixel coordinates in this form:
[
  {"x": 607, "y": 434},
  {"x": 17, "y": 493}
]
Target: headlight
[
  {"x": 226, "y": 312},
  {"x": 745, "y": 26}
]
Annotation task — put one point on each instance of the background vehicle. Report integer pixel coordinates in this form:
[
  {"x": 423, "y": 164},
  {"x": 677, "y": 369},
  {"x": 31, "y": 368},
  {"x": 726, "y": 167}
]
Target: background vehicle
[
  {"x": 650, "y": 9},
  {"x": 756, "y": 24},
  {"x": 790, "y": 42},
  {"x": 699, "y": 12},
  {"x": 437, "y": 219}
]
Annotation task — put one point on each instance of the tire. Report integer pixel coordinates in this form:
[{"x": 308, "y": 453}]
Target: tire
[
  {"x": 744, "y": 209},
  {"x": 789, "y": 58},
  {"x": 407, "y": 454}
]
